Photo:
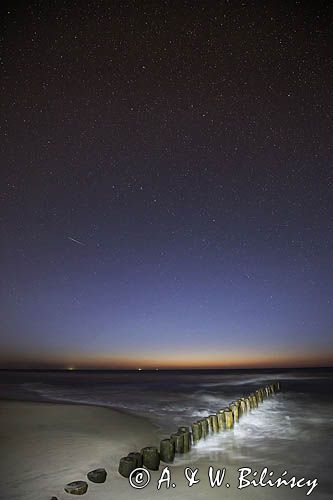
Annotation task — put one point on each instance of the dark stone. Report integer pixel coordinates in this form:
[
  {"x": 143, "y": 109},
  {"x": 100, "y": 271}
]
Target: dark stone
[
  {"x": 97, "y": 476},
  {"x": 76, "y": 488}
]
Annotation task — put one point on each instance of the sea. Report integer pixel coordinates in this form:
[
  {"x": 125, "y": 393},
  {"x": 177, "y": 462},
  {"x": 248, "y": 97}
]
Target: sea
[{"x": 293, "y": 430}]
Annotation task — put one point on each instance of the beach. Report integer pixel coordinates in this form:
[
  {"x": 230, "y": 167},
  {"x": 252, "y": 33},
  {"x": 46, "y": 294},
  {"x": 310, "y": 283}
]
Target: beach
[{"x": 46, "y": 445}]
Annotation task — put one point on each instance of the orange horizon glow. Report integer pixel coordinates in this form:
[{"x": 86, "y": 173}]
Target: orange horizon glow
[{"x": 168, "y": 361}]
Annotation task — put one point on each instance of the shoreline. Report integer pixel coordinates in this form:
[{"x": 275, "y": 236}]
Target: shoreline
[{"x": 71, "y": 403}]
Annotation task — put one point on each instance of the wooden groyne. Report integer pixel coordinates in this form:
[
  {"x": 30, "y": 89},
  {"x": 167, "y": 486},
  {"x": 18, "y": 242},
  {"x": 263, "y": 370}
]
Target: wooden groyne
[{"x": 181, "y": 441}]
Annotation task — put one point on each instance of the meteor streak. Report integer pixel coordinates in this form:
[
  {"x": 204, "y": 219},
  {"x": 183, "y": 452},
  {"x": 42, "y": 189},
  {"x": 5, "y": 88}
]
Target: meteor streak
[{"x": 75, "y": 241}]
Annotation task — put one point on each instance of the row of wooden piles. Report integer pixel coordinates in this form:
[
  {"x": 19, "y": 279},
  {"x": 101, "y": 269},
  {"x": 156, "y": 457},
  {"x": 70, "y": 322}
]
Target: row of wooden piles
[{"x": 181, "y": 441}]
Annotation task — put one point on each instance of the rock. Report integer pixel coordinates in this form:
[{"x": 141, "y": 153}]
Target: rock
[
  {"x": 76, "y": 488},
  {"x": 97, "y": 476},
  {"x": 54, "y": 498}
]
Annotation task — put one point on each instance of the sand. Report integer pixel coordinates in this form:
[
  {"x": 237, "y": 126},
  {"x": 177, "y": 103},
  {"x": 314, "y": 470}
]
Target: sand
[{"x": 46, "y": 445}]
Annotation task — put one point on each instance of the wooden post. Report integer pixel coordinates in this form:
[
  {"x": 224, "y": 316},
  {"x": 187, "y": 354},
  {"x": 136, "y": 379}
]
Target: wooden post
[
  {"x": 202, "y": 424},
  {"x": 253, "y": 401},
  {"x": 242, "y": 406},
  {"x": 235, "y": 411},
  {"x": 187, "y": 438},
  {"x": 150, "y": 457},
  {"x": 126, "y": 466},
  {"x": 221, "y": 420},
  {"x": 229, "y": 419},
  {"x": 178, "y": 439},
  {"x": 248, "y": 403},
  {"x": 205, "y": 426},
  {"x": 196, "y": 432},
  {"x": 137, "y": 456},
  {"x": 214, "y": 425},
  {"x": 167, "y": 450},
  {"x": 240, "y": 411},
  {"x": 258, "y": 396}
]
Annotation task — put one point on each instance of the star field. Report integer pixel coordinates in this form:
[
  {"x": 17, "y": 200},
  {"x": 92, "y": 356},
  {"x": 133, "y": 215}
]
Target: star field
[{"x": 167, "y": 188}]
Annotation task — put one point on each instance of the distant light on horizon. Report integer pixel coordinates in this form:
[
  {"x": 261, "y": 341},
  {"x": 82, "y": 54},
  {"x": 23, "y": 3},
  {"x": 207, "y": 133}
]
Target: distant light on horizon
[{"x": 208, "y": 360}]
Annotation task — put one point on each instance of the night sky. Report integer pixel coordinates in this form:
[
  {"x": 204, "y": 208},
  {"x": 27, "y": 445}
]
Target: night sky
[{"x": 167, "y": 185}]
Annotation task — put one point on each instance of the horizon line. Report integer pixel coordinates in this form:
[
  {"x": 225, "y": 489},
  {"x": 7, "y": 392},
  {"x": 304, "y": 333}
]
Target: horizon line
[{"x": 72, "y": 369}]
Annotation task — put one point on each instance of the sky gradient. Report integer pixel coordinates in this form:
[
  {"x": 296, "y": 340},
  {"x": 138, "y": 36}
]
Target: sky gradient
[{"x": 167, "y": 199}]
